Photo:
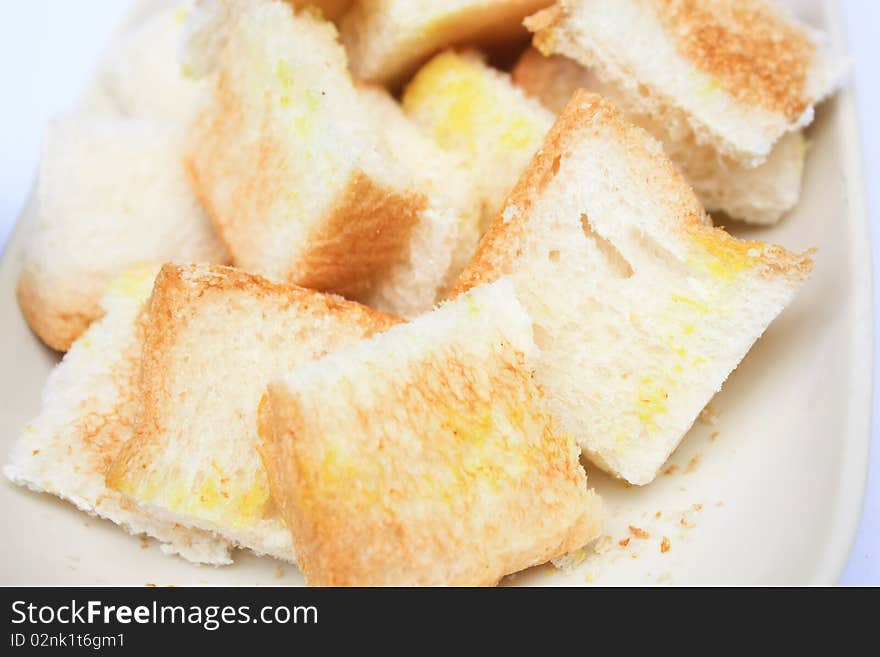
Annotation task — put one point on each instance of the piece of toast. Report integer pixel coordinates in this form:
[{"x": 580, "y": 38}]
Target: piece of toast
[
  {"x": 302, "y": 178},
  {"x": 87, "y": 414},
  {"x": 424, "y": 456},
  {"x": 737, "y": 74},
  {"x": 478, "y": 115},
  {"x": 110, "y": 192},
  {"x": 641, "y": 309},
  {"x": 758, "y": 195},
  {"x": 387, "y": 40},
  {"x": 215, "y": 337}
]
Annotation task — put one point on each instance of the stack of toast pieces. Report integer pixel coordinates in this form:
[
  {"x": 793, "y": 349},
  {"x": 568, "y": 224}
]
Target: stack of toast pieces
[{"x": 449, "y": 282}]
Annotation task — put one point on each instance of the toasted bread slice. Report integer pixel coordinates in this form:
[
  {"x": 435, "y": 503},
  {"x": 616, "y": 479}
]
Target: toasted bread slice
[
  {"x": 301, "y": 177},
  {"x": 388, "y": 40},
  {"x": 87, "y": 415},
  {"x": 215, "y": 337},
  {"x": 737, "y": 74},
  {"x": 759, "y": 195},
  {"x": 480, "y": 117},
  {"x": 141, "y": 74},
  {"x": 424, "y": 456},
  {"x": 110, "y": 192},
  {"x": 641, "y": 310}
]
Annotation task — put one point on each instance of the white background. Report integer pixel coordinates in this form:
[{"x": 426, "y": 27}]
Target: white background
[{"x": 48, "y": 48}]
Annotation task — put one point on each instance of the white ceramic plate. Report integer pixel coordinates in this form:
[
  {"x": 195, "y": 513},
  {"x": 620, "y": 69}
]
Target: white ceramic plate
[{"x": 770, "y": 494}]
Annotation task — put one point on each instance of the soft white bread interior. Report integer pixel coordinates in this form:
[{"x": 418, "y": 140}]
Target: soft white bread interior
[
  {"x": 424, "y": 456},
  {"x": 87, "y": 414},
  {"x": 641, "y": 309},
  {"x": 737, "y": 74},
  {"x": 110, "y": 192},
  {"x": 759, "y": 195},
  {"x": 210, "y": 23},
  {"x": 206, "y": 33},
  {"x": 389, "y": 39},
  {"x": 450, "y": 229},
  {"x": 214, "y": 338},
  {"x": 142, "y": 75},
  {"x": 300, "y": 175},
  {"x": 481, "y": 118}
]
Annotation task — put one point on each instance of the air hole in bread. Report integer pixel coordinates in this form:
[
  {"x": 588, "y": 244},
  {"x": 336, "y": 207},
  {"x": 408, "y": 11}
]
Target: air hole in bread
[
  {"x": 542, "y": 337},
  {"x": 659, "y": 253},
  {"x": 556, "y": 162},
  {"x": 618, "y": 265}
]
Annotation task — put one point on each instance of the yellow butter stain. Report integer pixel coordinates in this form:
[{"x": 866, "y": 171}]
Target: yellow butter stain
[
  {"x": 721, "y": 254},
  {"x": 181, "y": 13},
  {"x": 136, "y": 282},
  {"x": 465, "y": 108},
  {"x": 652, "y": 400},
  {"x": 472, "y": 306},
  {"x": 470, "y": 445},
  {"x": 709, "y": 87},
  {"x": 236, "y": 506},
  {"x": 693, "y": 303}
]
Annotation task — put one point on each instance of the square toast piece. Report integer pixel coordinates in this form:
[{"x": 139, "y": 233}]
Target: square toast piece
[
  {"x": 424, "y": 456},
  {"x": 302, "y": 177},
  {"x": 215, "y": 337},
  {"x": 641, "y": 309},
  {"x": 88, "y": 413}
]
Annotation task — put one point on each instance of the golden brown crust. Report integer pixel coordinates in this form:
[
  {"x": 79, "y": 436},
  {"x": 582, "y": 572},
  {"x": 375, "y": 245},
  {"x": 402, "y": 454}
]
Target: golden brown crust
[
  {"x": 361, "y": 237},
  {"x": 157, "y": 310},
  {"x": 54, "y": 324},
  {"x": 104, "y": 434},
  {"x": 546, "y": 19},
  {"x": 756, "y": 55},
  {"x": 503, "y": 243},
  {"x": 747, "y": 46},
  {"x": 206, "y": 165},
  {"x": 455, "y": 497}
]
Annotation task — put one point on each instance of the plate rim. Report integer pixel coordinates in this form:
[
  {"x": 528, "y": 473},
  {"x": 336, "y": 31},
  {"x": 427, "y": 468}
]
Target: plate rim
[{"x": 845, "y": 522}]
